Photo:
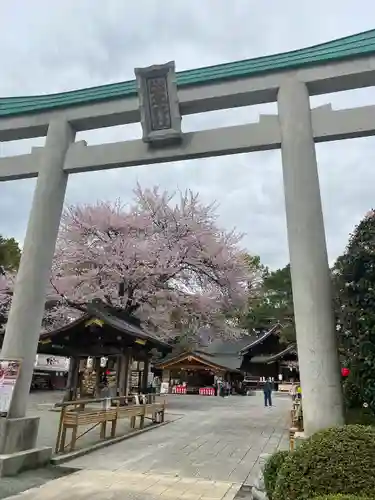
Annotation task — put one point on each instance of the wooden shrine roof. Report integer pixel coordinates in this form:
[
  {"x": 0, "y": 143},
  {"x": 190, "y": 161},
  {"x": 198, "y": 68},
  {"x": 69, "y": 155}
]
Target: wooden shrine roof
[
  {"x": 290, "y": 351},
  {"x": 101, "y": 331},
  {"x": 260, "y": 339},
  {"x": 267, "y": 359},
  {"x": 227, "y": 363}
]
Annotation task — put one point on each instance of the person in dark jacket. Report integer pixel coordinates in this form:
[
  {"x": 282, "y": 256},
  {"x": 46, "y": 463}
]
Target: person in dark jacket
[{"x": 267, "y": 391}]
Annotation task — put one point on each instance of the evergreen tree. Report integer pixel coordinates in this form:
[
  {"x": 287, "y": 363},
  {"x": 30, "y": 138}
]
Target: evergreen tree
[
  {"x": 354, "y": 286},
  {"x": 10, "y": 254},
  {"x": 274, "y": 305}
]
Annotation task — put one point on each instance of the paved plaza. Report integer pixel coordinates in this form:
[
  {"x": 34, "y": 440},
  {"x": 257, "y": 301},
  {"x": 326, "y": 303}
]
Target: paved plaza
[{"x": 208, "y": 452}]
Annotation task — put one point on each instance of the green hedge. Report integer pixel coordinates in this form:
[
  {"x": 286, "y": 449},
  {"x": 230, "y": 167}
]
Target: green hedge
[
  {"x": 337, "y": 460},
  {"x": 271, "y": 470},
  {"x": 342, "y": 497},
  {"x": 361, "y": 416}
]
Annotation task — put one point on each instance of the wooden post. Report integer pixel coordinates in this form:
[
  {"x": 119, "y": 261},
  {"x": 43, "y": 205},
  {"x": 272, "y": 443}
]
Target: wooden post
[
  {"x": 118, "y": 374},
  {"x": 144, "y": 383},
  {"x": 128, "y": 357},
  {"x": 124, "y": 361},
  {"x": 59, "y": 433},
  {"x": 97, "y": 377},
  {"x": 71, "y": 385}
]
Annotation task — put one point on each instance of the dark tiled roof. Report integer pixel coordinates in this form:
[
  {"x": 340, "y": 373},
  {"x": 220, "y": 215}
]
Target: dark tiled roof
[
  {"x": 291, "y": 349},
  {"x": 230, "y": 362},
  {"x": 226, "y": 347},
  {"x": 104, "y": 313},
  {"x": 261, "y": 359},
  {"x": 268, "y": 358},
  {"x": 224, "y": 353},
  {"x": 259, "y": 340},
  {"x": 109, "y": 317}
]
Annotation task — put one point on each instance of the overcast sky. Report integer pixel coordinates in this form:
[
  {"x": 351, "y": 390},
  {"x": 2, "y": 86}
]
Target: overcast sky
[{"x": 50, "y": 46}]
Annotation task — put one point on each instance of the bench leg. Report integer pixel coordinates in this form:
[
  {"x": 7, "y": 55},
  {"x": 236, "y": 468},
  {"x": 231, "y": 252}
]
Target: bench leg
[
  {"x": 132, "y": 422},
  {"x": 162, "y": 416},
  {"x": 103, "y": 430},
  {"x": 74, "y": 438},
  {"x": 141, "y": 421},
  {"x": 63, "y": 440},
  {"x": 113, "y": 428}
]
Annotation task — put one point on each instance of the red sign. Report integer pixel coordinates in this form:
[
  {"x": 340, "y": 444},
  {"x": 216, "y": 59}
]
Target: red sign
[{"x": 207, "y": 391}]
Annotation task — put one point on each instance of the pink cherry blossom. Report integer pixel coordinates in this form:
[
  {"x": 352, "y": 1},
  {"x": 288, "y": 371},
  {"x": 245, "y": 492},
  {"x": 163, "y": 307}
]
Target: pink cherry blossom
[{"x": 177, "y": 269}]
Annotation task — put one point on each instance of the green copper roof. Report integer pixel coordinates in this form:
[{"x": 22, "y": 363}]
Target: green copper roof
[{"x": 358, "y": 45}]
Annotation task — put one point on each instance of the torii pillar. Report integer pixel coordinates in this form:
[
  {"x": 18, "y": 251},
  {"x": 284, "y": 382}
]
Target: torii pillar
[
  {"x": 18, "y": 433},
  {"x": 311, "y": 280}
]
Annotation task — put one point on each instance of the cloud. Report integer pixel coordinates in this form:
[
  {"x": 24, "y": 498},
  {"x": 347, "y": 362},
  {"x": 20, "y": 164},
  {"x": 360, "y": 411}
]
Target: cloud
[{"x": 53, "y": 46}]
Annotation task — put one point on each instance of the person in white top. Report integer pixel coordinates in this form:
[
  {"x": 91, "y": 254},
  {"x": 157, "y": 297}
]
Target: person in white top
[{"x": 293, "y": 391}]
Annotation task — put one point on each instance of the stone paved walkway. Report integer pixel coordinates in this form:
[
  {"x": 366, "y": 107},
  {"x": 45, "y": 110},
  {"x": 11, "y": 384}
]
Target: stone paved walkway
[{"x": 207, "y": 454}]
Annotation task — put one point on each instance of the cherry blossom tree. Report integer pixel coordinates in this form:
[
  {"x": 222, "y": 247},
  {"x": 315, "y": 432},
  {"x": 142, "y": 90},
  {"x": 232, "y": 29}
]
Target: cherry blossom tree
[{"x": 163, "y": 261}]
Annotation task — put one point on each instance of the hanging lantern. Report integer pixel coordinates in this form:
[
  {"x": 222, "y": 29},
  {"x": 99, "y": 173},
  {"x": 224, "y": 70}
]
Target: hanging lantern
[{"x": 345, "y": 372}]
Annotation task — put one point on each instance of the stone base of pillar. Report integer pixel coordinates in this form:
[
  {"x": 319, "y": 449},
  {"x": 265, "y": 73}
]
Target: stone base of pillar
[
  {"x": 18, "y": 434},
  {"x": 14, "y": 463},
  {"x": 18, "y": 449}
]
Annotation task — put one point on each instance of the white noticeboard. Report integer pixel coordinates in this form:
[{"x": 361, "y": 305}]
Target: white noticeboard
[
  {"x": 9, "y": 373},
  {"x": 164, "y": 388}
]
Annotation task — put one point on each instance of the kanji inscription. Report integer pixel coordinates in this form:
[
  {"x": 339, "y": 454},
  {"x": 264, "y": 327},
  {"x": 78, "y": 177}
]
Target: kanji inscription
[{"x": 158, "y": 101}]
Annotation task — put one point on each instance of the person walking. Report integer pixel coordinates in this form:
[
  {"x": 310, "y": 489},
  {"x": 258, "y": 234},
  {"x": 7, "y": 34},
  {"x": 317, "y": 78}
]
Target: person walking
[
  {"x": 227, "y": 389},
  {"x": 267, "y": 391}
]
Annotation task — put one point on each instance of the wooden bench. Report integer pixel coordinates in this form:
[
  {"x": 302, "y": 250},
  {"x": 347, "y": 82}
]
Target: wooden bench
[
  {"x": 75, "y": 414},
  {"x": 157, "y": 412},
  {"x": 132, "y": 412},
  {"x": 154, "y": 411},
  {"x": 73, "y": 419}
]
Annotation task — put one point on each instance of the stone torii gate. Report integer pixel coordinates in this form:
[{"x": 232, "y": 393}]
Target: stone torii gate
[{"x": 158, "y": 98}]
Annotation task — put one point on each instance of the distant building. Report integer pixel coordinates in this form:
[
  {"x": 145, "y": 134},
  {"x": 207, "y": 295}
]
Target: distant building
[
  {"x": 253, "y": 357},
  {"x": 267, "y": 356},
  {"x": 50, "y": 372},
  {"x": 202, "y": 365}
]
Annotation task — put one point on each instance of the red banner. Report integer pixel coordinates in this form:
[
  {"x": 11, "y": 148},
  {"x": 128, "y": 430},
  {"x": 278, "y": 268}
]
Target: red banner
[
  {"x": 180, "y": 389},
  {"x": 207, "y": 391}
]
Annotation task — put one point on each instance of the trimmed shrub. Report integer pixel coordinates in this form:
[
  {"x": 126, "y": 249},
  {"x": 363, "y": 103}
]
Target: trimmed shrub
[
  {"x": 271, "y": 470},
  {"x": 351, "y": 393},
  {"x": 362, "y": 416},
  {"x": 333, "y": 461},
  {"x": 342, "y": 497}
]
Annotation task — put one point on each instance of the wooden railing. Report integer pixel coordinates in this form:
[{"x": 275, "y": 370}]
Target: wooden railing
[
  {"x": 296, "y": 424},
  {"x": 75, "y": 414}
]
